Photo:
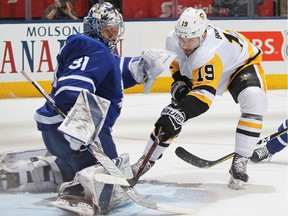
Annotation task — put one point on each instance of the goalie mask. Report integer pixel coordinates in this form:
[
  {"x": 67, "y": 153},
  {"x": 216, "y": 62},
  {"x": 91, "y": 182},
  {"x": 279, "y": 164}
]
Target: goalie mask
[
  {"x": 104, "y": 23},
  {"x": 190, "y": 28}
]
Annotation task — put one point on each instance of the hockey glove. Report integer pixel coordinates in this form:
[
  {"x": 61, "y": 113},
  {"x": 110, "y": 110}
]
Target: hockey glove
[
  {"x": 179, "y": 90},
  {"x": 170, "y": 122}
]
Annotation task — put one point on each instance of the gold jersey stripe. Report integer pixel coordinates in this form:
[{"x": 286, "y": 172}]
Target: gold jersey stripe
[
  {"x": 174, "y": 67},
  {"x": 262, "y": 75}
]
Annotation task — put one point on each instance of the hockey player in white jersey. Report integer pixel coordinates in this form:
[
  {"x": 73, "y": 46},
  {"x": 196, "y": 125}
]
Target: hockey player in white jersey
[{"x": 209, "y": 61}]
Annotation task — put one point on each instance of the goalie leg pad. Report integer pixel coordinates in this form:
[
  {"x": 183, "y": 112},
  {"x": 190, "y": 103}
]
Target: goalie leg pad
[
  {"x": 103, "y": 197},
  {"x": 26, "y": 172}
]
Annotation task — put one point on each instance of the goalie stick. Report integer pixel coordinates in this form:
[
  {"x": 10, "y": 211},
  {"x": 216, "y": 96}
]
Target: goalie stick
[
  {"x": 203, "y": 163},
  {"x": 130, "y": 191},
  {"x": 111, "y": 168},
  {"x": 133, "y": 181}
]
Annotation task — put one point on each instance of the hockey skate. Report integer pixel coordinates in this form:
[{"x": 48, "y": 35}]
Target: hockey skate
[
  {"x": 238, "y": 172},
  {"x": 135, "y": 167},
  {"x": 261, "y": 154}
]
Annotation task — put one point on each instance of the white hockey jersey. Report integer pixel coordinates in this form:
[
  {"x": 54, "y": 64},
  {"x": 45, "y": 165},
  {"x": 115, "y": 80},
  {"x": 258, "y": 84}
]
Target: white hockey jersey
[{"x": 212, "y": 66}]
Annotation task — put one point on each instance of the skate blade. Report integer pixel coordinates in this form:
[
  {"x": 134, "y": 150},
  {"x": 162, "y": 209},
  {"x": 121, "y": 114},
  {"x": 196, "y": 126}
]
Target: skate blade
[{"x": 236, "y": 184}]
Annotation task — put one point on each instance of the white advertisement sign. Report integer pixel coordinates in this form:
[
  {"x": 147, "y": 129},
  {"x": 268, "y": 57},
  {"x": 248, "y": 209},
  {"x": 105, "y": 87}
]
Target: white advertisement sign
[{"x": 34, "y": 46}]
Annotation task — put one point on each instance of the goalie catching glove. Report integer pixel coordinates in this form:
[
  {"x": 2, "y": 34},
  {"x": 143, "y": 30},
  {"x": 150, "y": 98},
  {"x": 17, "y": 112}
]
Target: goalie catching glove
[
  {"x": 170, "y": 122},
  {"x": 149, "y": 65}
]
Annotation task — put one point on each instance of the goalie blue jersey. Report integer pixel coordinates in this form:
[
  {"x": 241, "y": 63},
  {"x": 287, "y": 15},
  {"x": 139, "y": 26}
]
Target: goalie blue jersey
[{"x": 85, "y": 63}]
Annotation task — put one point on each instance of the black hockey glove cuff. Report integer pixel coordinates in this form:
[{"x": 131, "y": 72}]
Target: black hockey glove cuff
[
  {"x": 179, "y": 89},
  {"x": 170, "y": 122}
]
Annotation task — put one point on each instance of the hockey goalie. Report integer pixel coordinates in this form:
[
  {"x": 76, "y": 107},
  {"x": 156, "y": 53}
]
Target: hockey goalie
[{"x": 36, "y": 171}]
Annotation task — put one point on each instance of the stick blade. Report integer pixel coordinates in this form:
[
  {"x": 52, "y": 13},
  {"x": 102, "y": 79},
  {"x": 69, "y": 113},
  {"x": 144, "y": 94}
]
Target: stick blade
[
  {"x": 200, "y": 162},
  {"x": 109, "y": 179},
  {"x": 191, "y": 158}
]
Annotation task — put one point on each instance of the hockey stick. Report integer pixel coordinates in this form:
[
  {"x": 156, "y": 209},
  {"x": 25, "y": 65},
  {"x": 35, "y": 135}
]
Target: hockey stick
[
  {"x": 108, "y": 179},
  {"x": 111, "y": 168},
  {"x": 203, "y": 163},
  {"x": 135, "y": 179},
  {"x": 43, "y": 92}
]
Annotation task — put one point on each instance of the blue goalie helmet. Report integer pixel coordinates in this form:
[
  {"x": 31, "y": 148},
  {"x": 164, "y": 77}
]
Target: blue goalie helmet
[{"x": 104, "y": 23}]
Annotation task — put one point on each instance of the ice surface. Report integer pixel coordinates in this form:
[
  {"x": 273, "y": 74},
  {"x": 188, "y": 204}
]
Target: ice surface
[{"x": 171, "y": 181}]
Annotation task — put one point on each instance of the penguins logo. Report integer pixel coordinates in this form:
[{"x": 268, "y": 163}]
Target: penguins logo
[
  {"x": 201, "y": 16},
  {"x": 245, "y": 76}
]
